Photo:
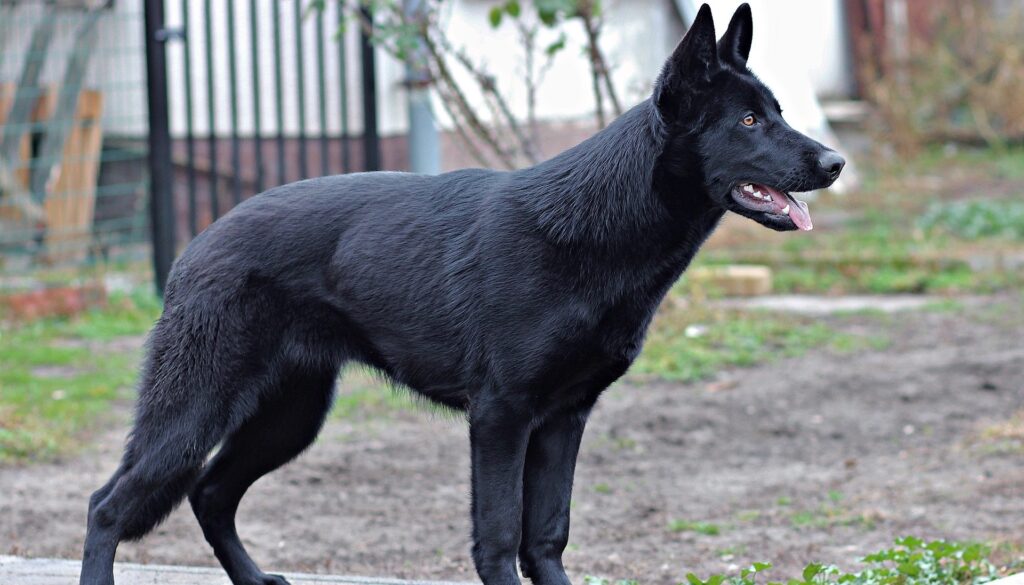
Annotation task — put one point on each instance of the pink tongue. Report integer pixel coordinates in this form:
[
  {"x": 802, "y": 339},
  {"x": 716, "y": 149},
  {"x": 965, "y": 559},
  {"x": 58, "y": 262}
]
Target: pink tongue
[{"x": 797, "y": 209}]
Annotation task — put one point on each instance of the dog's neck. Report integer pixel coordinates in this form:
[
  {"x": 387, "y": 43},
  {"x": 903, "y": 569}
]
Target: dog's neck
[{"x": 608, "y": 194}]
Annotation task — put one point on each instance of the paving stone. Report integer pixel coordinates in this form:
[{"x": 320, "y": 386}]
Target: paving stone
[{"x": 20, "y": 571}]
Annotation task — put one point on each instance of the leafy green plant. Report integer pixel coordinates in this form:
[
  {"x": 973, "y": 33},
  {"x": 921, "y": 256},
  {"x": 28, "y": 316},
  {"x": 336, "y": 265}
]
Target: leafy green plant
[
  {"x": 911, "y": 561},
  {"x": 975, "y": 219}
]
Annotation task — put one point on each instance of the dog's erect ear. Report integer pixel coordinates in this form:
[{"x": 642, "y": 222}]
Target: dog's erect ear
[
  {"x": 734, "y": 48},
  {"x": 690, "y": 67}
]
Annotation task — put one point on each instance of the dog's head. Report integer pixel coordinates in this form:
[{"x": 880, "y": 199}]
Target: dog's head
[{"x": 726, "y": 132}]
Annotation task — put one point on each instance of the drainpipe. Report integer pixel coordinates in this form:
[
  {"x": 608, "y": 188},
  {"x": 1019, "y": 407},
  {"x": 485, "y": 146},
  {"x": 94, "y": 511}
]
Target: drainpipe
[{"x": 424, "y": 144}]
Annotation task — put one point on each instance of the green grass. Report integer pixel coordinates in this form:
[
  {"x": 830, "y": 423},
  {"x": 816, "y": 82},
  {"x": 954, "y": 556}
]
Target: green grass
[
  {"x": 748, "y": 515},
  {"x": 1006, "y": 163},
  {"x": 705, "y": 528},
  {"x": 827, "y": 516},
  {"x": 691, "y": 343},
  {"x": 58, "y": 377},
  {"x": 363, "y": 394},
  {"x": 881, "y": 255}
]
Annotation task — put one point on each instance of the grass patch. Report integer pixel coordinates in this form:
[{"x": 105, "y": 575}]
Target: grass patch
[
  {"x": 362, "y": 393},
  {"x": 57, "y": 376},
  {"x": 705, "y": 528},
  {"x": 879, "y": 255},
  {"x": 1005, "y": 163},
  {"x": 688, "y": 343},
  {"x": 828, "y": 516},
  {"x": 748, "y": 515},
  {"x": 1006, "y": 437}
]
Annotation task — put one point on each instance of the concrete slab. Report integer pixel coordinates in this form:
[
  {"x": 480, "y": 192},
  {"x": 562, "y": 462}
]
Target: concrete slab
[
  {"x": 21, "y": 571},
  {"x": 822, "y": 305},
  {"x": 1017, "y": 579}
]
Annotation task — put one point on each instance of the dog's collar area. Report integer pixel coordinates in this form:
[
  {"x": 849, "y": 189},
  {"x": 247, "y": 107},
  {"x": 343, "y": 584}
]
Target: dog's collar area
[{"x": 765, "y": 199}]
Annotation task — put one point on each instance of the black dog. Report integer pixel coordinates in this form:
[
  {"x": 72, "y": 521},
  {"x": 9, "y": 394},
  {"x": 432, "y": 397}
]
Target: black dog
[{"x": 517, "y": 297}]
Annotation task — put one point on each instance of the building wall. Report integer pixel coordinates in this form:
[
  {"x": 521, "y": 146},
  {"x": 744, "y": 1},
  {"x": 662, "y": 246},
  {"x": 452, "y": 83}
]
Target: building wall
[
  {"x": 798, "y": 37},
  {"x": 638, "y": 35}
]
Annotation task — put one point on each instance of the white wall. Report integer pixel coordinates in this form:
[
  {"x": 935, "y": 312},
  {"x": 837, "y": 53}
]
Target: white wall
[
  {"x": 804, "y": 38},
  {"x": 637, "y": 37},
  {"x": 796, "y": 35}
]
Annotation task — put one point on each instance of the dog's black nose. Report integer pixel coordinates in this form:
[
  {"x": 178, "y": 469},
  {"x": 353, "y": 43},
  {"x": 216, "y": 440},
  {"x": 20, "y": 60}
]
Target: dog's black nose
[{"x": 831, "y": 163}]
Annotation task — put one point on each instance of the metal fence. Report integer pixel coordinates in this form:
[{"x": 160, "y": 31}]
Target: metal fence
[
  {"x": 128, "y": 126},
  {"x": 73, "y": 179},
  {"x": 246, "y": 95}
]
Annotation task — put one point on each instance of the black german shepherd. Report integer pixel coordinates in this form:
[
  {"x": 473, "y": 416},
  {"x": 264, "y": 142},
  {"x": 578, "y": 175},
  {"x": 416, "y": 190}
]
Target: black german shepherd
[{"x": 517, "y": 297}]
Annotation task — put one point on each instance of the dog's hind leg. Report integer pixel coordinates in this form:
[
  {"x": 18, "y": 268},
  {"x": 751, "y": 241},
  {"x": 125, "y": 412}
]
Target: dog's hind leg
[
  {"x": 547, "y": 491},
  {"x": 283, "y": 426}
]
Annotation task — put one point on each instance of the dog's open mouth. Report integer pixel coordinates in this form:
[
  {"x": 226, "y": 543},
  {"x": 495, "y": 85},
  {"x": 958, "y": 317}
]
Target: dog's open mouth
[{"x": 772, "y": 202}]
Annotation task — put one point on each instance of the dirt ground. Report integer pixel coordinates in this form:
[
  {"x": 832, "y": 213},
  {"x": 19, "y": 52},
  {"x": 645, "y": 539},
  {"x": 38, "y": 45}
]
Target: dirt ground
[{"x": 818, "y": 458}]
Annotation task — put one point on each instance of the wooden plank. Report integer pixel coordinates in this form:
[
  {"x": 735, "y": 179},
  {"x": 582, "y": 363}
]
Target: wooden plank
[
  {"x": 67, "y": 98},
  {"x": 6, "y": 100},
  {"x": 71, "y": 186},
  {"x": 19, "y": 163},
  {"x": 735, "y": 280},
  {"x": 16, "y": 206}
]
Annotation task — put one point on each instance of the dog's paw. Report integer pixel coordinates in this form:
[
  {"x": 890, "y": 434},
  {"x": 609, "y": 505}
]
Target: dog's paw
[{"x": 267, "y": 579}]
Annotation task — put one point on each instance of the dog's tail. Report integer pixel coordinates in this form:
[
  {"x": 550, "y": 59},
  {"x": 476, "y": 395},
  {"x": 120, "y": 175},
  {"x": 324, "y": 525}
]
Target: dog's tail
[{"x": 180, "y": 417}]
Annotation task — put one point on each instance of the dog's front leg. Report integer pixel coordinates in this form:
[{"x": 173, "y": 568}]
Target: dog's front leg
[
  {"x": 498, "y": 437},
  {"x": 547, "y": 491}
]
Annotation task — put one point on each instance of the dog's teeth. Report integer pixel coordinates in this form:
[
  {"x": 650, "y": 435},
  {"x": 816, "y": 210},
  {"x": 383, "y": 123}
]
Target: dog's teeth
[
  {"x": 785, "y": 210},
  {"x": 748, "y": 188}
]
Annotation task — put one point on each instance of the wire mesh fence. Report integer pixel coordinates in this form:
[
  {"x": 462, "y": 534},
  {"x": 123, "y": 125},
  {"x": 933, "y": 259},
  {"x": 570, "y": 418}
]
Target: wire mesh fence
[
  {"x": 248, "y": 95},
  {"x": 73, "y": 172}
]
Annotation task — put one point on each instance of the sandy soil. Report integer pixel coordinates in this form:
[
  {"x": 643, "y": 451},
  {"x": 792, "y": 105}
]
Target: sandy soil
[{"x": 819, "y": 458}]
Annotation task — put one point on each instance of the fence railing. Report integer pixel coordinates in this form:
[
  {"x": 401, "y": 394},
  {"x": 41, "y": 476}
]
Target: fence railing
[{"x": 256, "y": 94}]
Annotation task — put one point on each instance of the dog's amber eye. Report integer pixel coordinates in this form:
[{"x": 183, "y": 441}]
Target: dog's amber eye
[{"x": 749, "y": 120}]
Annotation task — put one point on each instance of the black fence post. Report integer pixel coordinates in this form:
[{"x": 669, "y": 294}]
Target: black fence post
[
  {"x": 161, "y": 209},
  {"x": 371, "y": 140}
]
